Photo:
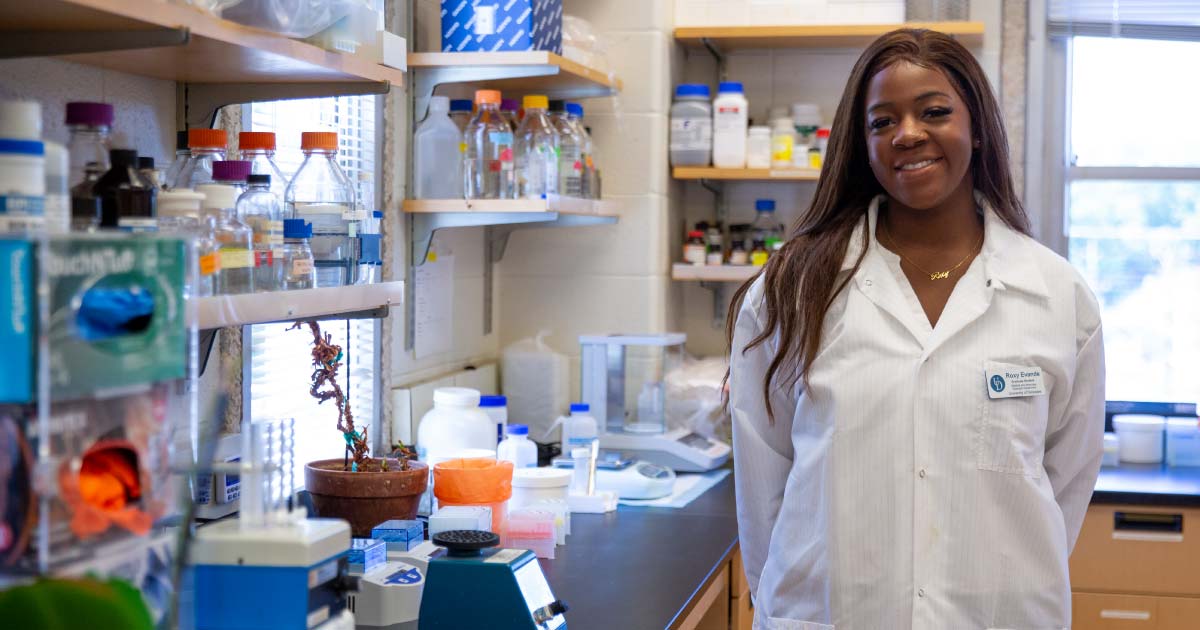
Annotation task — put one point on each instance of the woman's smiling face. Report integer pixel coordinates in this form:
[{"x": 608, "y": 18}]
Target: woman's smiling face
[{"x": 918, "y": 136}]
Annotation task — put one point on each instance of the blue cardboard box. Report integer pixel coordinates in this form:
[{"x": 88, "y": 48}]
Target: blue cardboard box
[
  {"x": 496, "y": 25},
  {"x": 399, "y": 535},
  {"x": 17, "y": 320},
  {"x": 366, "y": 555}
]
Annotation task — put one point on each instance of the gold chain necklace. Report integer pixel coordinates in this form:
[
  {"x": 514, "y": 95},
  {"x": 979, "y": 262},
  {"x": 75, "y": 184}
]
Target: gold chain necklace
[{"x": 933, "y": 275}]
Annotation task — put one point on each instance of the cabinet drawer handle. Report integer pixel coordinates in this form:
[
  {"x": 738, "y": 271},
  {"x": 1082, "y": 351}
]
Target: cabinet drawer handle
[
  {"x": 1131, "y": 615},
  {"x": 1147, "y": 527}
]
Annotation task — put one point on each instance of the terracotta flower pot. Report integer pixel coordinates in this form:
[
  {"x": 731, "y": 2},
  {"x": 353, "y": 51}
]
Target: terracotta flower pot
[{"x": 365, "y": 499}]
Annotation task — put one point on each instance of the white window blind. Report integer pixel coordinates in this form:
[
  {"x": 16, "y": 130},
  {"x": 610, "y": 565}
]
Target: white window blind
[
  {"x": 1144, "y": 19},
  {"x": 280, "y": 360}
]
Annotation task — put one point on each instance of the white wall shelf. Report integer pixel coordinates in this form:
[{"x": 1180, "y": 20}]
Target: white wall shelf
[
  {"x": 222, "y": 62},
  {"x": 713, "y": 273},
  {"x": 349, "y": 302},
  {"x": 727, "y": 38},
  {"x": 746, "y": 174}
]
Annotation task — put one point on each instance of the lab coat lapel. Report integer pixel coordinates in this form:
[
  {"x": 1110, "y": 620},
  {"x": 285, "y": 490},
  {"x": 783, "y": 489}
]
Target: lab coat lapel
[
  {"x": 876, "y": 282},
  {"x": 968, "y": 302}
]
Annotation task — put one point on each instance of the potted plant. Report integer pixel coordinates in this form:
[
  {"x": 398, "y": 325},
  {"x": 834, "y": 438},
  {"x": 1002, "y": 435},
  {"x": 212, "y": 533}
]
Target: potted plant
[{"x": 358, "y": 488}]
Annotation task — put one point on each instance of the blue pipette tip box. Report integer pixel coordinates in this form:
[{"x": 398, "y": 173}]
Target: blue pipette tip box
[
  {"x": 399, "y": 535},
  {"x": 366, "y": 554}
]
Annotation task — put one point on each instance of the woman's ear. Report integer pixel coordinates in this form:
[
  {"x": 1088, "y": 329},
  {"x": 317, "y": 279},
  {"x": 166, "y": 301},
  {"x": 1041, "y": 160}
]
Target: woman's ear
[{"x": 975, "y": 143}]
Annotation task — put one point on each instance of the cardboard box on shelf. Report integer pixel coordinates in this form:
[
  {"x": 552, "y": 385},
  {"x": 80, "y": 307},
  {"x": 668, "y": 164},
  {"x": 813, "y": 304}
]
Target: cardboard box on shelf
[{"x": 501, "y": 25}]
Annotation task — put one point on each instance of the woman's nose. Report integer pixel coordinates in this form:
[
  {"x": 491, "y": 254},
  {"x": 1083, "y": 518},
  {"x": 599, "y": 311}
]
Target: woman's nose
[{"x": 909, "y": 133}]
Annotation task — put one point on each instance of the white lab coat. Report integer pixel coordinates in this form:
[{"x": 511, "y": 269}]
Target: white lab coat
[{"x": 893, "y": 492}]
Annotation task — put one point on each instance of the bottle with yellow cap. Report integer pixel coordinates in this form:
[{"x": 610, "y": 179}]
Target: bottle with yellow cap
[
  {"x": 322, "y": 194},
  {"x": 489, "y": 163},
  {"x": 537, "y": 151}
]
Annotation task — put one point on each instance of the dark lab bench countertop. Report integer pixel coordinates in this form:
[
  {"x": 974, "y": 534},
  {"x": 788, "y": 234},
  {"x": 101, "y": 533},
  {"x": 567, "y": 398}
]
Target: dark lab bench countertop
[
  {"x": 1148, "y": 484},
  {"x": 639, "y": 567}
]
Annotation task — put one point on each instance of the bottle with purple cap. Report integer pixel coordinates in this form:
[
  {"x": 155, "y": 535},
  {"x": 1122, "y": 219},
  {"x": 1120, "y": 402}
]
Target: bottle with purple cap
[{"x": 89, "y": 125}]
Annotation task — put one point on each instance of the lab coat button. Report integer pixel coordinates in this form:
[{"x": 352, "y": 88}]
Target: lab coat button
[
  {"x": 921, "y": 473},
  {"x": 867, "y": 282},
  {"x": 920, "y": 592}
]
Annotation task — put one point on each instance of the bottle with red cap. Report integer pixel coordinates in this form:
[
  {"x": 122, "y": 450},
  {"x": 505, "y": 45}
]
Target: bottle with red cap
[
  {"x": 489, "y": 163},
  {"x": 323, "y": 195},
  {"x": 258, "y": 147},
  {"x": 89, "y": 125},
  {"x": 182, "y": 153},
  {"x": 207, "y": 146}
]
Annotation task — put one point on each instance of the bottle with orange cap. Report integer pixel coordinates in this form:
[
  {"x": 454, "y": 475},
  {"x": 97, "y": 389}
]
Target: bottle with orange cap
[
  {"x": 322, "y": 194},
  {"x": 537, "y": 151},
  {"x": 207, "y": 146},
  {"x": 489, "y": 163},
  {"x": 258, "y": 147}
]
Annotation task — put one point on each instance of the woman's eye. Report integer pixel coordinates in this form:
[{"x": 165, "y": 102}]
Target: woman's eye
[
  {"x": 937, "y": 112},
  {"x": 879, "y": 123}
]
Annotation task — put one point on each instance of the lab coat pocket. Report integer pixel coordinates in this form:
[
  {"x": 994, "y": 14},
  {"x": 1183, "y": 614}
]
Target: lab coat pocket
[
  {"x": 779, "y": 623},
  {"x": 1011, "y": 434}
]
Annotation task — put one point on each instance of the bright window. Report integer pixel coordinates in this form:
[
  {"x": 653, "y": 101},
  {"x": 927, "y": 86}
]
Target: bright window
[
  {"x": 1133, "y": 209},
  {"x": 281, "y": 362}
]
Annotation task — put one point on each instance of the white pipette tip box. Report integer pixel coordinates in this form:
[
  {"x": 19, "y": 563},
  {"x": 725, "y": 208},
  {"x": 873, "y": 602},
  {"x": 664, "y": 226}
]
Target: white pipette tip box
[{"x": 601, "y": 502}]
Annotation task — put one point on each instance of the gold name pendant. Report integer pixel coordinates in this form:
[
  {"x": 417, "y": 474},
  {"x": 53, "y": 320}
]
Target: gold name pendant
[{"x": 940, "y": 275}]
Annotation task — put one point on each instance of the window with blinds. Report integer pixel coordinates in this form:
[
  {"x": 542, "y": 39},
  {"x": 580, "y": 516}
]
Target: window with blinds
[
  {"x": 280, "y": 360},
  {"x": 1131, "y": 185}
]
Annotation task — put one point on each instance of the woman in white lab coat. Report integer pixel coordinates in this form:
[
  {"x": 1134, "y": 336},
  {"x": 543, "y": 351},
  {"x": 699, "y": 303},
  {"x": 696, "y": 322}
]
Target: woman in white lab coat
[{"x": 916, "y": 385}]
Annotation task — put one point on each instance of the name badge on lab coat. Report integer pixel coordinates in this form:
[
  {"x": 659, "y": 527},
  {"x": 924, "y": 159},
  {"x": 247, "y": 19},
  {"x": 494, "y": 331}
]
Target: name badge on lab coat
[{"x": 1014, "y": 381}]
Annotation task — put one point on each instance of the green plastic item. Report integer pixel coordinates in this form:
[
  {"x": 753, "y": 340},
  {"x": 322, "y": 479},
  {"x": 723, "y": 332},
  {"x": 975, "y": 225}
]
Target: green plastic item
[{"x": 75, "y": 604}]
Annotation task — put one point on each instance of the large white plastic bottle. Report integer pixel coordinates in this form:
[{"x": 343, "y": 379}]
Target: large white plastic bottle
[
  {"x": 438, "y": 166},
  {"x": 730, "y": 120},
  {"x": 455, "y": 424}
]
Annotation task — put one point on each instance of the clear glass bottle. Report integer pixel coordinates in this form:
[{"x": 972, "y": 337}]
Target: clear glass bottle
[
  {"x": 181, "y": 157},
  {"x": 231, "y": 173},
  {"x": 489, "y": 161},
  {"x": 234, "y": 240},
  {"x": 258, "y": 148},
  {"x": 460, "y": 112},
  {"x": 179, "y": 214},
  {"x": 509, "y": 111},
  {"x": 570, "y": 151},
  {"x": 89, "y": 125},
  {"x": 296, "y": 269},
  {"x": 738, "y": 254},
  {"x": 537, "y": 151},
  {"x": 260, "y": 209},
  {"x": 766, "y": 227},
  {"x": 207, "y": 146},
  {"x": 85, "y": 205},
  {"x": 586, "y": 163},
  {"x": 322, "y": 195}
]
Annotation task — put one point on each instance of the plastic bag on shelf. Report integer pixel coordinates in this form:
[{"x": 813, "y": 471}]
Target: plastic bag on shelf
[
  {"x": 582, "y": 45},
  {"x": 293, "y": 18},
  {"x": 214, "y": 7}
]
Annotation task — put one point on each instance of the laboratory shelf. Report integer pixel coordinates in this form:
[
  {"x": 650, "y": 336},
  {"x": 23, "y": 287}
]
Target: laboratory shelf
[
  {"x": 528, "y": 72},
  {"x": 728, "y": 38},
  {"x": 349, "y": 302},
  {"x": 713, "y": 273},
  {"x": 221, "y": 61},
  {"x": 746, "y": 174}
]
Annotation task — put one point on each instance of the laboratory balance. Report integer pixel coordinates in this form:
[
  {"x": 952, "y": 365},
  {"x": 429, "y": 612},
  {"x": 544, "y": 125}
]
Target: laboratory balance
[
  {"x": 477, "y": 585},
  {"x": 624, "y": 383}
]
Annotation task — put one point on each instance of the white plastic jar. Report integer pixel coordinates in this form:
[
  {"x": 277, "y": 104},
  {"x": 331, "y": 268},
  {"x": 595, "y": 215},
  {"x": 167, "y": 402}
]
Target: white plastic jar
[
  {"x": 22, "y": 185},
  {"x": 1141, "y": 438},
  {"x": 1183, "y": 442},
  {"x": 455, "y": 425},
  {"x": 517, "y": 448},
  {"x": 758, "y": 147},
  {"x": 496, "y": 407},
  {"x": 691, "y": 126},
  {"x": 532, "y": 485},
  {"x": 730, "y": 122}
]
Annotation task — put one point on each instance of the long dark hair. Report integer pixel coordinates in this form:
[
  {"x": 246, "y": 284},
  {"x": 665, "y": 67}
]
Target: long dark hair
[{"x": 800, "y": 281}]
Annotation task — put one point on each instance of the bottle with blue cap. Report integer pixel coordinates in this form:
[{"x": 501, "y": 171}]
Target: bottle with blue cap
[
  {"x": 691, "y": 125},
  {"x": 580, "y": 430},
  {"x": 730, "y": 122},
  {"x": 766, "y": 230},
  {"x": 297, "y": 269},
  {"x": 517, "y": 448}
]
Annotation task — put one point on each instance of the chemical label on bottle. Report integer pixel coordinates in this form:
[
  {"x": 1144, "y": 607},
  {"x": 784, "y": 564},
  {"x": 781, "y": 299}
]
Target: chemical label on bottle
[
  {"x": 506, "y": 154},
  {"x": 302, "y": 267},
  {"x": 691, "y": 134},
  {"x": 503, "y": 139},
  {"x": 738, "y": 257},
  {"x": 781, "y": 149},
  {"x": 729, "y": 118},
  {"x": 694, "y": 254},
  {"x": 209, "y": 264},
  {"x": 232, "y": 258},
  {"x": 267, "y": 233},
  {"x": 26, "y": 205},
  {"x": 264, "y": 258},
  {"x": 137, "y": 225},
  {"x": 357, "y": 214},
  {"x": 758, "y": 259}
]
